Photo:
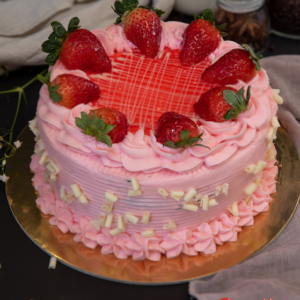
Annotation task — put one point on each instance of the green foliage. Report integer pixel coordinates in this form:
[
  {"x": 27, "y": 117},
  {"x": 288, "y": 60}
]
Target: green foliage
[
  {"x": 56, "y": 97},
  {"x": 95, "y": 127},
  {"x": 255, "y": 58}
]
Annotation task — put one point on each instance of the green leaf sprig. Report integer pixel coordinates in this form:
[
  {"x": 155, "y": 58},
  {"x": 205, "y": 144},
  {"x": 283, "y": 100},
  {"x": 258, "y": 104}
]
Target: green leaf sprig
[
  {"x": 57, "y": 38},
  {"x": 208, "y": 15},
  {"x": 122, "y": 8},
  {"x": 237, "y": 101},
  {"x": 95, "y": 127},
  {"x": 185, "y": 141},
  {"x": 52, "y": 89},
  {"x": 255, "y": 58}
]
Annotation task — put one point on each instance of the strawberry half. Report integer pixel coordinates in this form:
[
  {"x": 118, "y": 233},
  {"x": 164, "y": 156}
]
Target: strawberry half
[
  {"x": 70, "y": 90},
  {"x": 107, "y": 125},
  {"x": 141, "y": 25},
  {"x": 220, "y": 104},
  {"x": 76, "y": 48},
  {"x": 200, "y": 39},
  {"x": 177, "y": 131},
  {"x": 237, "y": 64}
]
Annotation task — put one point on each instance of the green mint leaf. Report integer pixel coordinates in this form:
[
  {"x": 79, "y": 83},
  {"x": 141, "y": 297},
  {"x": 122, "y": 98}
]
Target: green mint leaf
[
  {"x": 184, "y": 135},
  {"x": 100, "y": 124},
  {"x": 170, "y": 144},
  {"x": 208, "y": 15},
  {"x": 52, "y": 57},
  {"x": 108, "y": 128},
  {"x": 86, "y": 118},
  {"x": 55, "y": 96},
  {"x": 231, "y": 114},
  {"x": 231, "y": 98},
  {"x": 106, "y": 139},
  {"x": 79, "y": 123}
]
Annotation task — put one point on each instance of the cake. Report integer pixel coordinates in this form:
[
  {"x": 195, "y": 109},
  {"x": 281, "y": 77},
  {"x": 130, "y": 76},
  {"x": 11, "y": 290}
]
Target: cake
[{"x": 141, "y": 196}]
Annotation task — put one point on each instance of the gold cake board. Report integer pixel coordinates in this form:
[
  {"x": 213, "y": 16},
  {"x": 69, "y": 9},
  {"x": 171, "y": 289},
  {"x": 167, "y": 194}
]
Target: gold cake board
[{"x": 267, "y": 226}]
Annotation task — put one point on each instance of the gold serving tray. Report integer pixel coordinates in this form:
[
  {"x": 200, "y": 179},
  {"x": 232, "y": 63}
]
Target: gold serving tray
[{"x": 267, "y": 226}]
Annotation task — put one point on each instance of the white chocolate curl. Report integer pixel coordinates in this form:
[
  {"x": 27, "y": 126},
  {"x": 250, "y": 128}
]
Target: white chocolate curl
[
  {"x": 177, "y": 194},
  {"x": 171, "y": 225},
  {"x": 110, "y": 197},
  {"x": 107, "y": 207},
  {"x": 148, "y": 233},
  {"x": 53, "y": 177},
  {"x": 146, "y": 218},
  {"x": 198, "y": 197},
  {"x": 54, "y": 166},
  {"x": 115, "y": 231},
  {"x": 52, "y": 263},
  {"x": 135, "y": 183},
  {"x": 62, "y": 192},
  {"x": 270, "y": 154},
  {"x": 109, "y": 220},
  {"x": 204, "y": 202},
  {"x": 76, "y": 190},
  {"x": 234, "y": 208},
  {"x": 131, "y": 218},
  {"x": 190, "y": 194},
  {"x": 189, "y": 206},
  {"x": 95, "y": 224},
  {"x": 225, "y": 188},
  {"x": 251, "y": 188},
  {"x": 257, "y": 181},
  {"x": 269, "y": 136},
  {"x": 276, "y": 96},
  {"x": 212, "y": 202},
  {"x": 102, "y": 218},
  {"x": 43, "y": 158},
  {"x": 120, "y": 222},
  {"x": 274, "y": 122},
  {"x": 50, "y": 168},
  {"x": 163, "y": 193},
  {"x": 259, "y": 167},
  {"x": 250, "y": 168},
  {"x": 82, "y": 199},
  {"x": 270, "y": 144},
  {"x": 247, "y": 199},
  {"x": 132, "y": 193},
  {"x": 218, "y": 190}
]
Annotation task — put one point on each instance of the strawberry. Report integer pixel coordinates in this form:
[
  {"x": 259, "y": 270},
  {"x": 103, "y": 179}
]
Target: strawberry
[
  {"x": 177, "y": 131},
  {"x": 141, "y": 25},
  {"x": 70, "y": 90},
  {"x": 200, "y": 39},
  {"x": 107, "y": 125},
  {"x": 220, "y": 104},
  {"x": 237, "y": 64},
  {"x": 76, "y": 48}
]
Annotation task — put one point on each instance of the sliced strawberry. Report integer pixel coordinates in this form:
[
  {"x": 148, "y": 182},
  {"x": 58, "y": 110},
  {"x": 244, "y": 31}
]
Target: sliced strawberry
[
  {"x": 141, "y": 25},
  {"x": 237, "y": 64},
  {"x": 76, "y": 48},
  {"x": 177, "y": 131},
  {"x": 200, "y": 39},
  {"x": 70, "y": 90},
  {"x": 220, "y": 104}
]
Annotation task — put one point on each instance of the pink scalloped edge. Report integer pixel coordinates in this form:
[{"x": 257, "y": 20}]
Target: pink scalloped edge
[{"x": 189, "y": 241}]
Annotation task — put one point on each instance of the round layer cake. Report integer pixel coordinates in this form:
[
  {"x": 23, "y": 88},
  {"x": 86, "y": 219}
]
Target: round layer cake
[{"x": 138, "y": 197}]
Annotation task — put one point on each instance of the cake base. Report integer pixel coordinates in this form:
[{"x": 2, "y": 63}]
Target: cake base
[{"x": 267, "y": 226}]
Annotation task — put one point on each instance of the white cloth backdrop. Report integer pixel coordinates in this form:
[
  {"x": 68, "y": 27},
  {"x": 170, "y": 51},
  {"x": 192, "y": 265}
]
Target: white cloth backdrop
[
  {"x": 275, "y": 272},
  {"x": 25, "y": 24}
]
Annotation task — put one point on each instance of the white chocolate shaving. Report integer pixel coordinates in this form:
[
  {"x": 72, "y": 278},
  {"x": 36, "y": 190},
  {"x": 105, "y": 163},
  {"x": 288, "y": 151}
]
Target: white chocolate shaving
[
  {"x": 146, "y": 217},
  {"x": 212, "y": 202},
  {"x": 115, "y": 231},
  {"x": 43, "y": 158},
  {"x": 107, "y": 207},
  {"x": 82, "y": 199},
  {"x": 250, "y": 168},
  {"x": 163, "y": 193},
  {"x": 270, "y": 154},
  {"x": 50, "y": 168},
  {"x": 204, "y": 203},
  {"x": 177, "y": 194},
  {"x": 108, "y": 220},
  {"x": 190, "y": 194},
  {"x": 135, "y": 183},
  {"x": 102, "y": 218},
  {"x": 270, "y": 132},
  {"x": 269, "y": 144},
  {"x": 40, "y": 145},
  {"x": 54, "y": 166},
  {"x": 148, "y": 233},
  {"x": 33, "y": 125},
  {"x": 225, "y": 188},
  {"x": 52, "y": 263},
  {"x": 170, "y": 225},
  {"x": 198, "y": 197},
  {"x": 259, "y": 167},
  {"x": 234, "y": 209},
  {"x": 132, "y": 193},
  {"x": 274, "y": 122},
  {"x": 110, "y": 197},
  {"x": 251, "y": 188},
  {"x": 218, "y": 190},
  {"x": 120, "y": 222},
  {"x": 131, "y": 218},
  {"x": 53, "y": 177},
  {"x": 189, "y": 206},
  {"x": 95, "y": 224},
  {"x": 247, "y": 199},
  {"x": 62, "y": 192},
  {"x": 276, "y": 96},
  {"x": 76, "y": 190},
  {"x": 257, "y": 181}
]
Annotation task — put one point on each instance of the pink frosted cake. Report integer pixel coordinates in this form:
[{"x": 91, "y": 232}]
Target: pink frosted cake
[{"x": 140, "y": 197}]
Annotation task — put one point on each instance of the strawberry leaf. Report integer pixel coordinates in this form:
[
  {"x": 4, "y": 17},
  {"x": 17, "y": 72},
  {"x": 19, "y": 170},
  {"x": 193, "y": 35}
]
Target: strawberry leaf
[
  {"x": 208, "y": 15},
  {"x": 100, "y": 125},
  {"x": 86, "y": 119},
  {"x": 230, "y": 98},
  {"x": 108, "y": 128},
  {"x": 79, "y": 123},
  {"x": 106, "y": 139},
  {"x": 170, "y": 144},
  {"x": 248, "y": 96},
  {"x": 59, "y": 29},
  {"x": 55, "y": 96},
  {"x": 184, "y": 135},
  {"x": 52, "y": 57},
  {"x": 231, "y": 114},
  {"x": 255, "y": 58},
  {"x": 73, "y": 24},
  {"x": 185, "y": 141}
]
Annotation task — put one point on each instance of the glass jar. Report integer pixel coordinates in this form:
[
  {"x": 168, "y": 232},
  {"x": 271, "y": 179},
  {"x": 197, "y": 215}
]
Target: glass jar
[
  {"x": 247, "y": 21},
  {"x": 285, "y": 17}
]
